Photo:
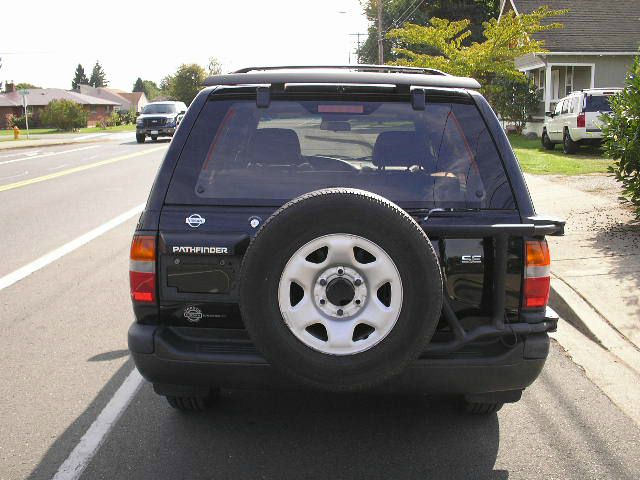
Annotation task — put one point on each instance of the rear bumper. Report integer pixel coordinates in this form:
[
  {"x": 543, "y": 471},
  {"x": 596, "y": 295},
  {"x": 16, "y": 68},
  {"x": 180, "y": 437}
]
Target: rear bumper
[{"x": 189, "y": 359}]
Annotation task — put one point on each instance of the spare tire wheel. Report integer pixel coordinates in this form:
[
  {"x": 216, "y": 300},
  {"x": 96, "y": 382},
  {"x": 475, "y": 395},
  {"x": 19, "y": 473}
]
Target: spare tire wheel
[{"x": 340, "y": 289}]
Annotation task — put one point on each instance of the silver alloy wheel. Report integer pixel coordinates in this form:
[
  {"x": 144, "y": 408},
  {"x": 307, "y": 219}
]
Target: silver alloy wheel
[{"x": 344, "y": 303}]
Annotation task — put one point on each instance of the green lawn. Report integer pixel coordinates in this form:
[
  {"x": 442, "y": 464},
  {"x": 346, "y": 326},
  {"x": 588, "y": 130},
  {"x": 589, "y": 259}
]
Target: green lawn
[
  {"x": 534, "y": 159},
  {"x": 41, "y": 131}
]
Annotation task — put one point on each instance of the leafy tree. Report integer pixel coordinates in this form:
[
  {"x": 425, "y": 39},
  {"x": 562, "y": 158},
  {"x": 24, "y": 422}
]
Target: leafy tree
[
  {"x": 98, "y": 77},
  {"x": 621, "y": 138},
  {"x": 80, "y": 78},
  {"x": 504, "y": 41},
  {"x": 25, "y": 86},
  {"x": 64, "y": 115},
  {"x": 515, "y": 100},
  {"x": 138, "y": 86},
  {"x": 214, "y": 67},
  {"x": 397, "y": 12},
  {"x": 185, "y": 84},
  {"x": 151, "y": 89}
]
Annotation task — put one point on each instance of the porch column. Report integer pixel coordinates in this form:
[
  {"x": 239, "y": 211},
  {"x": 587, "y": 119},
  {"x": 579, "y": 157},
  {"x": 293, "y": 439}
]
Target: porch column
[{"x": 548, "y": 88}]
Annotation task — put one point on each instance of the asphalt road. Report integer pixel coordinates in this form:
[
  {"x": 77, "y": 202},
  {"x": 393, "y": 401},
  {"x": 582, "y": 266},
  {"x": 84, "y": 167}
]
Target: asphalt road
[{"x": 63, "y": 350}]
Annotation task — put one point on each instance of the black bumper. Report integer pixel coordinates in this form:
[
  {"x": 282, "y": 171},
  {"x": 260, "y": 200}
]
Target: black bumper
[
  {"x": 162, "y": 131},
  {"x": 179, "y": 360}
]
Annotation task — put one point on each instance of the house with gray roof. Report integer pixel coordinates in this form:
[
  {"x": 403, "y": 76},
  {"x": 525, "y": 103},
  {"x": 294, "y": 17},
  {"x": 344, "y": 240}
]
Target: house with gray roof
[
  {"x": 38, "y": 98},
  {"x": 594, "y": 48}
]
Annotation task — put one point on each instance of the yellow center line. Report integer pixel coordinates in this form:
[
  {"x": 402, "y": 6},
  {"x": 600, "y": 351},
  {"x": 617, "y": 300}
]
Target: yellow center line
[{"x": 62, "y": 173}]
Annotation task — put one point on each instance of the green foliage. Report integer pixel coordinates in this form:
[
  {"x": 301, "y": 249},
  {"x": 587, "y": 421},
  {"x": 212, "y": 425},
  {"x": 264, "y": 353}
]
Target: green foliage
[
  {"x": 98, "y": 77},
  {"x": 64, "y": 115},
  {"x": 79, "y": 78},
  {"x": 138, "y": 86},
  {"x": 621, "y": 137},
  {"x": 185, "y": 84},
  {"x": 397, "y": 12},
  {"x": 113, "y": 120},
  {"x": 127, "y": 117},
  {"x": 504, "y": 41},
  {"x": 515, "y": 99},
  {"x": 25, "y": 86}
]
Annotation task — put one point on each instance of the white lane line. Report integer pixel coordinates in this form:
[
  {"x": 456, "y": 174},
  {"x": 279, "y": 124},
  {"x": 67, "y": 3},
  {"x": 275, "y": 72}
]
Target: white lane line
[
  {"x": 26, "y": 172},
  {"x": 62, "y": 166},
  {"x": 84, "y": 451},
  {"x": 50, "y": 154},
  {"x": 59, "y": 252},
  {"x": 91, "y": 135},
  {"x": 23, "y": 152}
]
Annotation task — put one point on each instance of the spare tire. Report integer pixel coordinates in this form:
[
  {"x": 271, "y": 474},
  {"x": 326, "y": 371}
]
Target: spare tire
[{"x": 340, "y": 289}]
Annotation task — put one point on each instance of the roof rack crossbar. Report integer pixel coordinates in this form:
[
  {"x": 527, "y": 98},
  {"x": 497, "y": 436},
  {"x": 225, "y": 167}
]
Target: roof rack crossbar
[{"x": 358, "y": 67}]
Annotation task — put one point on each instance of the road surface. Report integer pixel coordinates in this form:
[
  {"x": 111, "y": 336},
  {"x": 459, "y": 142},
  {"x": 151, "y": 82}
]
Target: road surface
[{"x": 63, "y": 341}]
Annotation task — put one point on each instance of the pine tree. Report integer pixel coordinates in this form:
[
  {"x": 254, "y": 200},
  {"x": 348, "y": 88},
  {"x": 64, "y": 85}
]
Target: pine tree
[
  {"x": 98, "y": 77},
  {"x": 138, "y": 86},
  {"x": 80, "y": 78}
]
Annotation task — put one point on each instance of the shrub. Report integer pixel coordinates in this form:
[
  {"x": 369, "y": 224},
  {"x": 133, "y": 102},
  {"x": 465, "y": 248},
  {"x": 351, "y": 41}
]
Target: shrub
[
  {"x": 621, "y": 138},
  {"x": 64, "y": 115},
  {"x": 515, "y": 100}
]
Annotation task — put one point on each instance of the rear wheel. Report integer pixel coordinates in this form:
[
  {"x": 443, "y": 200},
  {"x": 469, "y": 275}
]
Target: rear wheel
[
  {"x": 546, "y": 141},
  {"x": 568, "y": 145},
  {"x": 193, "y": 403},
  {"x": 475, "y": 408},
  {"x": 140, "y": 138}
]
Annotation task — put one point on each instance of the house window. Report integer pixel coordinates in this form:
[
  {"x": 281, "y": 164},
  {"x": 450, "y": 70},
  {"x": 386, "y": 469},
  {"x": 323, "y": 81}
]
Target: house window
[{"x": 568, "y": 80}]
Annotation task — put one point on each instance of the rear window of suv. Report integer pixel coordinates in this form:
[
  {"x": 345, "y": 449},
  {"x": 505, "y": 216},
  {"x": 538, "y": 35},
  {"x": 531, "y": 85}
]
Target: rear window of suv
[
  {"x": 443, "y": 156},
  {"x": 597, "y": 103}
]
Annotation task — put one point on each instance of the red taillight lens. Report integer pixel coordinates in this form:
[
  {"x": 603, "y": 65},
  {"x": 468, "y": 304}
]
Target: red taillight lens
[
  {"x": 142, "y": 269},
  {"x": 582, "y": 121},
  {"x": 537, "y": 280}
]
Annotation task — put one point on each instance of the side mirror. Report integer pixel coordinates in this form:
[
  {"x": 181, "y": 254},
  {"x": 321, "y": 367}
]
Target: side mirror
[{"x": 182, "y": 112}]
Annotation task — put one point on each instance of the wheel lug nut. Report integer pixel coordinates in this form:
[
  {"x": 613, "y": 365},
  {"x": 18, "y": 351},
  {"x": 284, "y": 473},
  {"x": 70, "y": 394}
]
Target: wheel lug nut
[
  {"x": 339, "y": 312},
  {"x": 340, "y": 271},
  {"x": 357, "y": 302},
  {"x": 358, "y": 282},
  {"x": 322, "y": 301},
  {"x": 323, "y": 282}
]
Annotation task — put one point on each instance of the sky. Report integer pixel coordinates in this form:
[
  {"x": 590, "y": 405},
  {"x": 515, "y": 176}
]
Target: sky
[{"x": 46, "y": 40}]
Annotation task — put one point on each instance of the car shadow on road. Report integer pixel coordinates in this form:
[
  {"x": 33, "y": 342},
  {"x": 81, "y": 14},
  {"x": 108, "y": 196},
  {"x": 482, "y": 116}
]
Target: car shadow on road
[{"x": 278, "y": 435}]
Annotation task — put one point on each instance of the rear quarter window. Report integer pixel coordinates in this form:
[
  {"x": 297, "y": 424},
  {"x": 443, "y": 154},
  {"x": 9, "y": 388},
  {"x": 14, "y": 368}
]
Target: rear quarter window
[{"x": 441, "y": 157}]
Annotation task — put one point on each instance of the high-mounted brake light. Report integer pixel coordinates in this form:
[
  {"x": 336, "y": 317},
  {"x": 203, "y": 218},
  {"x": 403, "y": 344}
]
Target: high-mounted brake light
[
  {"x": 537, "y": 277},
  {"x": 582, "y": 121},
  {"x": 142, "y": 268}
]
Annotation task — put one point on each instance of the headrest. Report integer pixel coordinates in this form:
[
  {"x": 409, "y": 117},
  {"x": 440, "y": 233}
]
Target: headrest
[
  {"x": 274, "y": 146},
  {"x": 399, "y": 149}
]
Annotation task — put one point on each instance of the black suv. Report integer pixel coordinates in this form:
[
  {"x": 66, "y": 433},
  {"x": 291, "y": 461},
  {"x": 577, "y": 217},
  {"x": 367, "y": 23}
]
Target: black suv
[
  {"x": 159, "y": 119},
  {"x": 361, "y": 228}
]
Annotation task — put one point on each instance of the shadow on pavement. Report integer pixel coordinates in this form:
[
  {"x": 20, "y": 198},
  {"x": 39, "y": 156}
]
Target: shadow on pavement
[
  {"x": 106, "y": 356},
  {"x": 301, "y": 435}
]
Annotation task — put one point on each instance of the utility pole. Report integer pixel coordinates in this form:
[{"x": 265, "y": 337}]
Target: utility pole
[
  {"x": 358, "y": 35},
  {"x": 380, "y": 48}
]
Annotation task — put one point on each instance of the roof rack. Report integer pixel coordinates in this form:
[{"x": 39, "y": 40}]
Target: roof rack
[{"x": 357, "y": 67}]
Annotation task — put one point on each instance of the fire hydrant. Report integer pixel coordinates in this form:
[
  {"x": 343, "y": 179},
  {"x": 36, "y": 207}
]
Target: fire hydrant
[{"x": 16, "y": 133}]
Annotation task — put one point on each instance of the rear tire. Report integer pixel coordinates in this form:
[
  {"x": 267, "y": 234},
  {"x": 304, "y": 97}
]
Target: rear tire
[
  {"x": 140, "y": 138},
  {"x": 193, "y": 403},
  {"x": 568, "y": 145},
  {"x": 475, "y": 408},
  {"x": 546, "y": 141}
]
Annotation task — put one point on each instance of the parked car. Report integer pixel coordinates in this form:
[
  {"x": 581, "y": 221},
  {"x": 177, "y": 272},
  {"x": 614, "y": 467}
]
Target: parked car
[
  {"x": 353, "y": 229},
  {"x": 159, "y": 119},
  {"x": 576, "y": 119}
]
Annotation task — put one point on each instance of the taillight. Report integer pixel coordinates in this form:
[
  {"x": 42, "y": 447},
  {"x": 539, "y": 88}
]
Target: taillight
[
  {"x": 142, "y": 268},
  {"x": 582, "y": 120},
  {"x": 537, "y": 278}
]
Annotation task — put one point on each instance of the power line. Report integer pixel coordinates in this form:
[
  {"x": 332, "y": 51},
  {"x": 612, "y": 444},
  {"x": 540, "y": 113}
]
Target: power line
[{"x": 402, "y": 17}]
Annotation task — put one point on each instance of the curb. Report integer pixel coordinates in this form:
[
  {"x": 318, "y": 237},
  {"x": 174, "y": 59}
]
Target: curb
[
  {"x": 46, "y": 143},
  {"x": 587, "y": 320}
]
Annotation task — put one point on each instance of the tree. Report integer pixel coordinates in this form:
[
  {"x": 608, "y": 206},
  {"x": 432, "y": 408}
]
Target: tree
[
  {"x": 397, "y": 12},
  {"x": 64, "y": 115},
  {"x": 138, "y": 86},
  {"x": 515, "y": 100},
  {"x": 80, "y": 78},
  {"x": 505, "y": 40},
  {"x": 98, "y": 77},
  {"x": 151, "y": 89},
  {"x": 621, "y": 138},
  {"x": 25, "y": 86},
  {"x": 214, "y": 66},
  {"x": 185, "y": 84}
]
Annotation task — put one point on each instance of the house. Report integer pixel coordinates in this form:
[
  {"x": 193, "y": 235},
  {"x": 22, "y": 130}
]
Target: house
[
  {"x": 126, "y": 101},
  {"x": 594, "y": 49},
  {"x": 38, "y": 98}
]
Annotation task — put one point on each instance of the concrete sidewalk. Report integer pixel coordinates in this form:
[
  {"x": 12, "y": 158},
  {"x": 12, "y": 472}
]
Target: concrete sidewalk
[
  {"x": 596, "y": 265},
  {"x": 53, "y": 139}
]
